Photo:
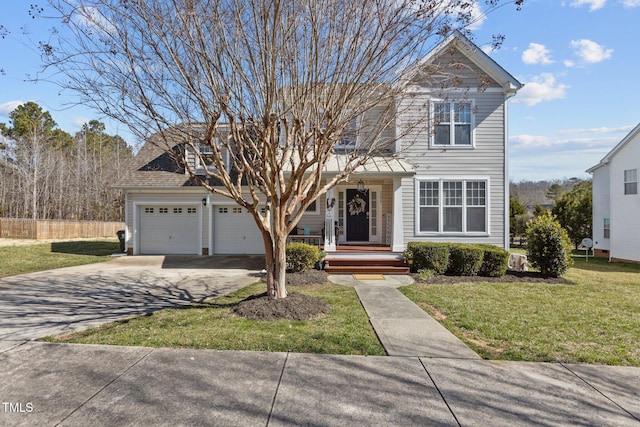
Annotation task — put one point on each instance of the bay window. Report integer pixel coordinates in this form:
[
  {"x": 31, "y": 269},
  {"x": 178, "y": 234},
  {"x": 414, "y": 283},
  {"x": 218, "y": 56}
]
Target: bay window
[{"x": 452, "y": 206}]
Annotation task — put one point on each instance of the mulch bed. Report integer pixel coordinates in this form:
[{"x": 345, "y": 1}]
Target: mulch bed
[
  {"x": 294, "y": 307},
  {"x": 510, "y": 277}
]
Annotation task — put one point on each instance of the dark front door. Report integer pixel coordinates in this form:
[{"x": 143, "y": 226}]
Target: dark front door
[{"x": 357, "y": 214}]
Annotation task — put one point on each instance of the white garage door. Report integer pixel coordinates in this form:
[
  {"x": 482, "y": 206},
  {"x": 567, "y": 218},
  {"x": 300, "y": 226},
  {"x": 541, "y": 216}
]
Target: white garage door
[
  {"x": 169, "y": 230},
  {"x": 236, "y": 232}
]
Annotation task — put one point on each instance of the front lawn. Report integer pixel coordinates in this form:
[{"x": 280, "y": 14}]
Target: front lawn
[
  {"x": 594, "y": 320},
  {"x": 20, "y": 259},
  {"x": 345, "y": 329}
]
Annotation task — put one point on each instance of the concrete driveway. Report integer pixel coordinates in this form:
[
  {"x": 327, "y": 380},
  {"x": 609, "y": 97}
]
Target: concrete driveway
[{"x": 68, "y": 299}]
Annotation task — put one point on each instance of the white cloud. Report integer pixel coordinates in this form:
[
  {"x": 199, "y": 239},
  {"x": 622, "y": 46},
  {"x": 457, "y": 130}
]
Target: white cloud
[
  {"x": 531, "y": 140},
  {"x": 590, "y": 51},
  {"x": 540, "y": 89},
  {"x": 8, "y": 107},
  {"x": 593, "y": 4},
  {"x": 477, "y": 16},
  {"x": 536, "y": 54},
  {"x": 600, "y": 130},
  {"x": 631, "y": 3},
  {"x": 79, "y": 121}
]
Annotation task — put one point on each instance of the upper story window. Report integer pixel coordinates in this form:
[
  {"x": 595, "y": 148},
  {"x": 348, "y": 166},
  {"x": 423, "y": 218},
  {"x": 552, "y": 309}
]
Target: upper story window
[
  {"x": 205, "y": 154},
  {"x": 348, "y": 138},
  {"x": 453, "y": 124},
  {"x": 631, "y": 181}
]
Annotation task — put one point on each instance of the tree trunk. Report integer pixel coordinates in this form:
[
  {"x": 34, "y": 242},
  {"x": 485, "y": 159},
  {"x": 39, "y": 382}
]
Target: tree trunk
[
  {"x": 275, "y": 263},
  {"x": 280, "y": 265}
]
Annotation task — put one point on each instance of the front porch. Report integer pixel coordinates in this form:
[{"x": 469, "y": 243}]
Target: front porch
[{"x": 369, "y": 259}]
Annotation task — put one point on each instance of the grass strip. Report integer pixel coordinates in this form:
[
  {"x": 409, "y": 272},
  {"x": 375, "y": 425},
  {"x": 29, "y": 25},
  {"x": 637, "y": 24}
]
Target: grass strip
[{"x": 212, "y": 325}]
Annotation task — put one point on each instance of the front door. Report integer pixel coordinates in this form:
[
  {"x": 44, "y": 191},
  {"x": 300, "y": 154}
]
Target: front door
[{"x": 357, "y": 214}]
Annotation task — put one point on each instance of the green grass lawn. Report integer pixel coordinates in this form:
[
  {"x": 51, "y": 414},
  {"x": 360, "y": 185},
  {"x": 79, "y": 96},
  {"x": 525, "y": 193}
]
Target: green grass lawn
[
  {"x": 594, "y": 320},
  {"x": 46, "y": 256},
  {"x": 344, "y": 330}
]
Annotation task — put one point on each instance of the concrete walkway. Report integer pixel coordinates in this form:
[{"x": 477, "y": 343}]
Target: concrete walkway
[{"x": 404, "y": 329}]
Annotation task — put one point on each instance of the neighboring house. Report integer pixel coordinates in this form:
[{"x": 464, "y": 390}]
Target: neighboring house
[
  {"x": 616, "y": 201},
  {"x": 446, "y": 182}
]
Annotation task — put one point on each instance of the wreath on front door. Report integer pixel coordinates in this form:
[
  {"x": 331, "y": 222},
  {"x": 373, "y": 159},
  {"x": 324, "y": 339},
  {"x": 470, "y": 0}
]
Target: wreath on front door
[{"x": 357, "y": 205}]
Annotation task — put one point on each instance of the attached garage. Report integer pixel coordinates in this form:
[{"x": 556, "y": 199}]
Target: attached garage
[
  {"x": 236, "y": 232},
  {"x": 169, "y": 229}
]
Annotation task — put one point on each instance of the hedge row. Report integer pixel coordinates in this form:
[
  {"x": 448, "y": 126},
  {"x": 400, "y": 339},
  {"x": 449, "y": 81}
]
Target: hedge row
[{"x": 457, "y": 259}]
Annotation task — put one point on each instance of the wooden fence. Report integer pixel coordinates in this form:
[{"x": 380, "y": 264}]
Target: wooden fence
[{"x": 12, "y": 228}]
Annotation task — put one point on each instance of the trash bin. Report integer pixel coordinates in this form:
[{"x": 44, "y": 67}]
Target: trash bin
[{"x": 120, "y": 234}]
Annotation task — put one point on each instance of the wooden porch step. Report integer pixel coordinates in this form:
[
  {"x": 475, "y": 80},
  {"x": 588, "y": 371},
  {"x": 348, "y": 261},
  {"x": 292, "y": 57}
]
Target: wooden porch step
[
  {"x": 389, "y": 262},
  {"x": 368, "y": 269},
  {"x": 363, "y": 248}
]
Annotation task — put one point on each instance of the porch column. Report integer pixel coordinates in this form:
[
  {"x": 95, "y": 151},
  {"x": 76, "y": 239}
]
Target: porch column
[
  {"x": 397, "y": 235},
  {"x": 329, "y": 222}
]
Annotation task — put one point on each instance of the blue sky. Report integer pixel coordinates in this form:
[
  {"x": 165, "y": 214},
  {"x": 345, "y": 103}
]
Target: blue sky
[{"x": 578, "y": 59}]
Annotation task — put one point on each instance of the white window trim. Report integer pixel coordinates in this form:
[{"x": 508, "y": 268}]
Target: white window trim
[
  {"x": 419, "y": 233},
  {"x": 624, "y": 178},
  {"x": 432, "y": 136},
  {"x": 199, "y": 167}
]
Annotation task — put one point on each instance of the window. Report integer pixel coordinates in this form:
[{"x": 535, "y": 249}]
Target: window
[
  {"x": 192, "y": 210},
  {"x": 236, "y": 210},
  {"x": 148, "y": 210},
  {"x": 631, "y": 181},
  {"x": 163, "y": 210},
  {"x": 205, "y": 155},
  {"x": 349, "y": 136},
  {"x": 223, "y": 210},
  {"x": 607, "y": 228},
  {"x": 177, "y": 210},
  {"x": 452, "y": 124},
  {"x": 313, "y": 207},
  {"x": 452, "y": 206}
]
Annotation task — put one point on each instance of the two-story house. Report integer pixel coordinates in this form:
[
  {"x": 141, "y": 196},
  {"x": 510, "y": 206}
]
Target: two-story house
[
  {"x": 616, "y": 201},
  {"x": 447, "y": 181}
]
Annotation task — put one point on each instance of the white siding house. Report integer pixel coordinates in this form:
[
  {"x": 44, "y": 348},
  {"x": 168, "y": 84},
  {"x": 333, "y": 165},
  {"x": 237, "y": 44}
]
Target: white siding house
[
  {"x": 616, "y": 201},
  {"x": 447, "y": 181}
]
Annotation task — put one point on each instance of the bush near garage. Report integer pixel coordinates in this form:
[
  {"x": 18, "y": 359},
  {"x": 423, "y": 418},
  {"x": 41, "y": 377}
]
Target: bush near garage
[{"x": 301, "y": 256}]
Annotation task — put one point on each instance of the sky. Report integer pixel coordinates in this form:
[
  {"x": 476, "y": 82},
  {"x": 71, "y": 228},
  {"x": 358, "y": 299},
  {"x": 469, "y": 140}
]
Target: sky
[{"x": 578, "y": 60}]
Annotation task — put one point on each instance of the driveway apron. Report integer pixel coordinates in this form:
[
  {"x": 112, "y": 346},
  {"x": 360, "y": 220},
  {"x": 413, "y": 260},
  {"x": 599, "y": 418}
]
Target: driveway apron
[{"x": 69, "y": 299}]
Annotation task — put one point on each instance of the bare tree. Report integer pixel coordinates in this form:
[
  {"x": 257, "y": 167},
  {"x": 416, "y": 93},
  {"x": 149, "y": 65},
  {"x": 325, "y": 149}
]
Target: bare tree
[{"x": 274, "y": 84}]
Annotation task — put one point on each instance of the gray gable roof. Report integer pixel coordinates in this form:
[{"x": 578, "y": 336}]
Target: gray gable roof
[{"x": 153, "y": 166}]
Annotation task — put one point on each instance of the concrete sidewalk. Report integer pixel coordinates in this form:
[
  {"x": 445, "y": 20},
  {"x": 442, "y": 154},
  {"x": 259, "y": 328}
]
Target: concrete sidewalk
[
  {"x": 404, "y": 329},
  {"x": 47, "y": 384}
]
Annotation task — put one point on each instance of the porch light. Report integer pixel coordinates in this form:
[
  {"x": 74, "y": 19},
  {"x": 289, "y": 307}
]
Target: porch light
[{"x": 361, "y": 186}]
